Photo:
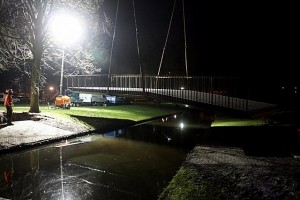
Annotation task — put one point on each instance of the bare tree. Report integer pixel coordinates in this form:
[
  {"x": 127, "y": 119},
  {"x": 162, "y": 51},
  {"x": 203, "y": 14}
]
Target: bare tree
[{"x": 25, "y": 39}]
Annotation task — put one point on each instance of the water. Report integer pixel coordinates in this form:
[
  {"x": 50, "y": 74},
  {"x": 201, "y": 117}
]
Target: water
[{"x": 134, "y": 163}]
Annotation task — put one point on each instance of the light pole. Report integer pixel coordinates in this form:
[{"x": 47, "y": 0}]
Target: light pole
[
  {"x": 62, "y": 72},
  {"x": 66, "y": 29}
]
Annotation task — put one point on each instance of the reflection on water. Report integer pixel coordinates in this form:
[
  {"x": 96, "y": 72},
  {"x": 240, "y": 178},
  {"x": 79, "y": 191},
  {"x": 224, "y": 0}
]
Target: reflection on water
[{"x": 135, "y": 163}]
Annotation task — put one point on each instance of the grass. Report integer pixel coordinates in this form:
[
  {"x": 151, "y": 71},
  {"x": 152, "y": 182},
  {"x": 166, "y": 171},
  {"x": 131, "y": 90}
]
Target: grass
[
  {"x": 132, "y": 112},
  {"x": 136, "y": 112},
  {"x": 185, "y": 186},
  {"x": 233, "y": 121}
]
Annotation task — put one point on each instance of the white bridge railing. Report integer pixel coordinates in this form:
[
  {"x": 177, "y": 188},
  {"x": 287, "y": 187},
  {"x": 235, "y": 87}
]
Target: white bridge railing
[{"x": 228, "y": 92}]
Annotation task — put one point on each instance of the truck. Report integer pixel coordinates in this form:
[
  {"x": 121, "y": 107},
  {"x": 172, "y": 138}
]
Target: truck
[
  {"x": 88, "y": 99},
  {"x": 96, "y": 99},
  {"x": 99, "y": 99},
  {"x": 75, "y": 99}
]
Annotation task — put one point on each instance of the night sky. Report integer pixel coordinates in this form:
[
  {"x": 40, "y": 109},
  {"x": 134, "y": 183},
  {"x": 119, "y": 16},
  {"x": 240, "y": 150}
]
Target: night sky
[{"x": 223, "y": 38}]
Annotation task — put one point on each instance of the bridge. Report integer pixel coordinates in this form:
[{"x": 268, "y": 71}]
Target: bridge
[{"x": 225, "y": 92}]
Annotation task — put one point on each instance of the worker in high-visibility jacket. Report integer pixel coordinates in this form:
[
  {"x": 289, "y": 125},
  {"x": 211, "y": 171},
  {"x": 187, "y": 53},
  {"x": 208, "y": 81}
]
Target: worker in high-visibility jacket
[{"x": 8, "y": 102}]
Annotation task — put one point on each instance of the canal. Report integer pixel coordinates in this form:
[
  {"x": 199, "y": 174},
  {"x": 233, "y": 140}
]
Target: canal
[{"x": 133, "y": 163}]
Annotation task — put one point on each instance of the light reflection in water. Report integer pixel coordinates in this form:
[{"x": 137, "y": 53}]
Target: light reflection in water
[
  {"x": 133, "y": 163},
  {"x": 61, "y": 172},
  {"x": 107, "y": 167},
  {"x": 181, "y": 125}
]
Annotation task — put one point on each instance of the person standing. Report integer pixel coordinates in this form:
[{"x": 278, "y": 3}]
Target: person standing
[{"x": 8, "y": 102}]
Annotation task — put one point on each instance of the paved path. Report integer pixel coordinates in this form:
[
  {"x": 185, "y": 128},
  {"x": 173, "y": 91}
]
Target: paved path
[
  {"x": 27, "y": 133},
  {"x": 23, "y": 132},
  {"x": 236, "y": 176}
]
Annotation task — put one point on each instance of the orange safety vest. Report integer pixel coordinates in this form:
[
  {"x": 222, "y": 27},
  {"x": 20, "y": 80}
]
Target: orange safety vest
[{"x": 8, "y": 100}]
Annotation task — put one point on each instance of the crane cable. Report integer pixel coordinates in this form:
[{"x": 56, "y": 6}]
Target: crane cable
[
  {"x": 137, "y": 38},
  {"x": 112, "y": 47},
  {"x": 138, "y": 49},
  {"x": 185, "y": 44},
  {"x": 163, "y": 52}
]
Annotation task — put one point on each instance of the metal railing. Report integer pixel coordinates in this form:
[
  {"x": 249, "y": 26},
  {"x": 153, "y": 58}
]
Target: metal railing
[{"x": 229, "y": 92}]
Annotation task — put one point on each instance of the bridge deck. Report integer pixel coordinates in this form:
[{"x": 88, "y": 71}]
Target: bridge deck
[{"x": 189, "y": 96}]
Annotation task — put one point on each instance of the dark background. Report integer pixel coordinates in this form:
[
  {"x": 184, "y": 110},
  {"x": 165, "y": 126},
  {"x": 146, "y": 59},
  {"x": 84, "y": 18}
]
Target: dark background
[
  {"x": 248, "y": 39},
  {"x": 223, "y": 38}
]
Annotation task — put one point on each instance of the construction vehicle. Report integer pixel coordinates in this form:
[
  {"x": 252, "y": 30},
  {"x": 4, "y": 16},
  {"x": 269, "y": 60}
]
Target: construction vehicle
[{"x": 63, "y": 101}]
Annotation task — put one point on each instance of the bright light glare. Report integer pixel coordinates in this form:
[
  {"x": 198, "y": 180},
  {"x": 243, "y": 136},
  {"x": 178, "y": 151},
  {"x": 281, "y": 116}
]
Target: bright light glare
[
  {"x": 65, "y": 28},
  {"x": 181, "y": 125}
]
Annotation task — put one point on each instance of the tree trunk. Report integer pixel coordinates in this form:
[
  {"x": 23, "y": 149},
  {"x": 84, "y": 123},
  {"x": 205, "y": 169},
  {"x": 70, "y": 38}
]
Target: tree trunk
[{"x": 35, "y": 84}]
